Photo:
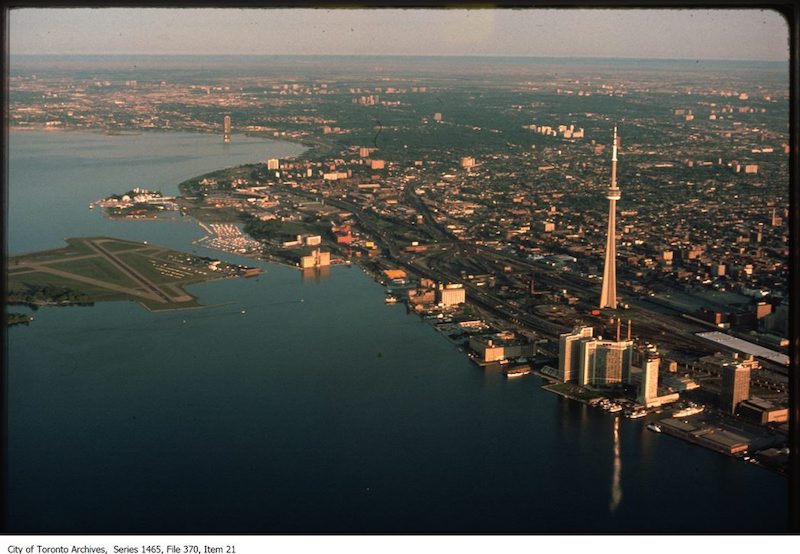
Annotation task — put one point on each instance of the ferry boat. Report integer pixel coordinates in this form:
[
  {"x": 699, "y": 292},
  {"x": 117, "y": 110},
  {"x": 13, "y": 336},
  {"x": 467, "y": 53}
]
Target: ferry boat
[
  {"x": 518, "y": 371},
  {"x": 654, "y": 427},
  {"x": 691, "y": 410},
  {"x": 636, "y": 414}
]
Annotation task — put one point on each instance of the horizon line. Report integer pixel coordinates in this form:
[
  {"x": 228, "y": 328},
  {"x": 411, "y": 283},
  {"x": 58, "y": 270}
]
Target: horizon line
[{"x": 479, "y": 56}]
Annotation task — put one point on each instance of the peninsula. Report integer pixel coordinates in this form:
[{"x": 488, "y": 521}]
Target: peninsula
[{"x": 99, "y": 269}]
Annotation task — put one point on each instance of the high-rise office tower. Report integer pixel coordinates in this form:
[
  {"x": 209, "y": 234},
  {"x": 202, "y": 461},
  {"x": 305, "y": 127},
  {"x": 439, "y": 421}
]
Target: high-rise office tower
[
  {"x": 735, "y": 385},
  {"x": 648, "y": 391},
  {"x": 775, "y": 220},
  {"x": 226, "y": 129},
  {"x": 608, "y": 296}
]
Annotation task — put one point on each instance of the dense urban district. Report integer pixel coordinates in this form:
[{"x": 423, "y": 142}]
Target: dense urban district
[{"x": 477, "y": 192}]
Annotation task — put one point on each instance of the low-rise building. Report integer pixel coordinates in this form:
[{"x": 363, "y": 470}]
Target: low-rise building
[
  {"x": 451, "y": 295},
  {"x": 762, "y": 411},
  {"x": 316, "y": 259},
  {"x": 500, "y": 346}
]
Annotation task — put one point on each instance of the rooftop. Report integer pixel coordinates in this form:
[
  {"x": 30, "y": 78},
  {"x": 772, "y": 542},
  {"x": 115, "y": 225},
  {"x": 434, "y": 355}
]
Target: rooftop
[{"x": 745, "y": 346}]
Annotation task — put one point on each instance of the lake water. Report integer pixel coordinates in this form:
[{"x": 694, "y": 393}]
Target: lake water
[{"x": 320, "y": 409}]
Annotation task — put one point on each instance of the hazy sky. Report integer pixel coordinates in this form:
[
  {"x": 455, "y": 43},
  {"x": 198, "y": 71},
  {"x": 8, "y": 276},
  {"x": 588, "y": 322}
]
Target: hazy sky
[{"x": 746, "y": 34}]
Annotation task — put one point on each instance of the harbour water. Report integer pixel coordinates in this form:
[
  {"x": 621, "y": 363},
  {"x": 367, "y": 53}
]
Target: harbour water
[{"x": 292, "y": 405}]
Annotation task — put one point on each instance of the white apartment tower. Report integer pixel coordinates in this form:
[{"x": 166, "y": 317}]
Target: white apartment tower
[
  {"x": 569, "y": 353},
  {"x": 648, "y": 391}
]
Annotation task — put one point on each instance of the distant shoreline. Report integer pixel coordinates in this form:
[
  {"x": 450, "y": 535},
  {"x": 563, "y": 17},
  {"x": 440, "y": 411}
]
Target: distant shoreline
[
  {"x": 371, "y": 57},
  {"x": 310, "y": 144}
]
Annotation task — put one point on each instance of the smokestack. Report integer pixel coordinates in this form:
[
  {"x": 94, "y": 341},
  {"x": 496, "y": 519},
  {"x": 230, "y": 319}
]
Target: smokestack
[
  {"x": 629, "y": 329},
  {"x": 619, "y": 321}
]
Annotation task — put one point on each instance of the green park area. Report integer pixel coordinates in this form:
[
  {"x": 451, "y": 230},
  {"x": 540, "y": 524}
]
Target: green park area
[
  {"x": 571, "y": 391},
  {"x": 97, "y": 269}
]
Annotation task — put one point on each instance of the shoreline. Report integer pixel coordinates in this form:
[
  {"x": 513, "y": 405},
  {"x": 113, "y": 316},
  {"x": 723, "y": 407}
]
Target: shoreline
[
  {"x": 745, "y": 456},
  {"x": 551, "y": 386},
  {"x": 311, "y": 144}
]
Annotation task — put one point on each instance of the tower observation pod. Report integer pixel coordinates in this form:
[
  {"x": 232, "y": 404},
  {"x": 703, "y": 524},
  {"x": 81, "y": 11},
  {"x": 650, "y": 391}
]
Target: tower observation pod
[{"x": 608, "y": 295}]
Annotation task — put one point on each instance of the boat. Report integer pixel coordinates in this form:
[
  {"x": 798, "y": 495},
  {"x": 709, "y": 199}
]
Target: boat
[
  {"x": 610, "y": 406},
  {"x": 654, "y": 427},
  {"x": 691, "y": 410},
  {"x": 390, "y": 300},
  {"x": 517, "y": 371},
  {"x": 636, "y": 414},
  {"x": 512, "y": 374}
]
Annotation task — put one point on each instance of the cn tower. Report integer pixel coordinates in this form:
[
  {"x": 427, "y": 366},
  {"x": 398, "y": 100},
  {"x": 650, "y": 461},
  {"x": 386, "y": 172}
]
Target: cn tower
[{"x": 608, "y": 296}]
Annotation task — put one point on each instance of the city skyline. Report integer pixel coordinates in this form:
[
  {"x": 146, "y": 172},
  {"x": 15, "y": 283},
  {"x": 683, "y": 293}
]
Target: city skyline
[
  {"x": 743, "y": 34},
  {"x": 272, "y": 291}
]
